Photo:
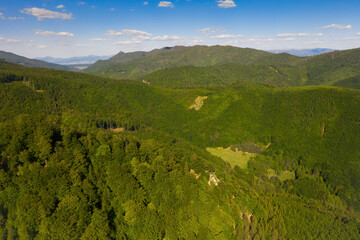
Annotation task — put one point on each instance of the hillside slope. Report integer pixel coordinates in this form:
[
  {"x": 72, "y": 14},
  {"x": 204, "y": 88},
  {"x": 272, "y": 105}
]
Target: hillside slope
[
  {"x": 200, "y": 66},
  {"x": 121, "y": 159},
  {"x": 142, "y": 64},
  {"x": 227, "y": 74},
  {"x": 328, "y": 68},
  {"x": 27, "y": 62}
]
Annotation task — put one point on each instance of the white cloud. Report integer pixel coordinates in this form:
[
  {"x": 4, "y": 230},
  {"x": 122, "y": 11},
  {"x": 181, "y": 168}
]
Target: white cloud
[
  {"x": 42, "y": 13},
  {"x": 210, "y": 30},
  {"x": 141, "y": 38},
  {"x": 136, "y": 32},
  {"x": 113, "y": 33},
  {"x": 2, "y": 16},
  {"x": 81, "y": 3},
  {"x": 41, "y": 46},
  {"x": 127, "y": 42},
  {"x": 112, "y": 9},
  {"x": 146, "y": 3},
  {"x": 358, "y": 33},
  {"x": 97, "y": 39},
  {"x": 166, "y": 38},
  {"x": 258, "y": 40},
  {"x": 289, "y": 39},
  {"x": 49, "y": 33},
  {"x": 60, "y": 6},
  {"x": 226, "y": 3},
  {"x": 338, "y": 26},
  {"x": 15, "y": 18},
  {"x": 195, "y": 41},
  {"x": 300, "y": 34},
  {"x": 224, "y": 36},
  {"x": 190, "y": 42},
  {"x": 8, "y": 41},
  {"x": 165, "y": 4}
]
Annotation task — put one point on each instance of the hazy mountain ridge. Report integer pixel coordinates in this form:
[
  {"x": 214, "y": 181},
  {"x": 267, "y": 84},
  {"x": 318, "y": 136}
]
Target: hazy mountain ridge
[
  {"x": 74, "y": 60},
  {"x": 303, "y": 52},
  {"x": 27, "y": 62}
]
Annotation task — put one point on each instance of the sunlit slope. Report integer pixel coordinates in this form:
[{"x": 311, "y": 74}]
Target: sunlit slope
[
  {"x": 225, "y": 75},
  {"x": 185, "y": 56},
  {"x": 196, "y": 66}
]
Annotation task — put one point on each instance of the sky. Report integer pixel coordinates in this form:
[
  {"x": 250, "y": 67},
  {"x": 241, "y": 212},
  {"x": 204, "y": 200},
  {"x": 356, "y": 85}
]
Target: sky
[{"x": 68, "y": 28}]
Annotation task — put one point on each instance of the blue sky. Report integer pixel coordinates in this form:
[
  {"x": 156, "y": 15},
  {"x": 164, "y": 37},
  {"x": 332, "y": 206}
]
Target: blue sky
[{"x": 39, "y": 28}]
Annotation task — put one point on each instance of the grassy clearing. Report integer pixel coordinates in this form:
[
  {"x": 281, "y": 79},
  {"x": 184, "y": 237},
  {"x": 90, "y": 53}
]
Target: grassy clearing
[
  {"x": 199, "y": 101},
  {"x": 283, "y": 176},
  {"x": 238, "y": 158}
]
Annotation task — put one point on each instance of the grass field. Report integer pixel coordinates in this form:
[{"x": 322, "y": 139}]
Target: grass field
[{"x": 238, "y": 158}]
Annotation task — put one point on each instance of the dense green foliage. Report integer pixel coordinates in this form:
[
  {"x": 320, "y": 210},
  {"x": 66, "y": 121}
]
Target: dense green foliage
[
  {"x": 224, "y": 75},
  {"x": 27, "y": 62},
  {"x": 200, "y": 66},
  {"x": 352, "y": 82},
  {"x": 331, "y": 67},
  {"x": 120, "y": 67},
  {"x": 66, "y": 173}
]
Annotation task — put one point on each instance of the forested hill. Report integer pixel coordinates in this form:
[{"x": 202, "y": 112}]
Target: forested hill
[
  {"x": 201, "y": 66},
  {"x": 133, "y": 65},
  {"x": 86, "y": 157},
  {"x": 227, "y": 74},
  {"x": 27, "y": 62}
]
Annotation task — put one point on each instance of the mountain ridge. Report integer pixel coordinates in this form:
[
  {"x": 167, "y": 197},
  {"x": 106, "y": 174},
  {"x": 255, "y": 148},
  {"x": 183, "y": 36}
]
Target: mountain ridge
[
  {"x": 90, "y": 59},
  {"x": 28, "y": 62},
  {"x": 199, "y": 55},
  {"x": 303, "y": 52}
]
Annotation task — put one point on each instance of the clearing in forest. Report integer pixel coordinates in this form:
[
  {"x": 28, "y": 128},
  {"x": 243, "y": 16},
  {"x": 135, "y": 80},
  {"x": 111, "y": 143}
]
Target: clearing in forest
[
  {"x": 199, "y": 101},
  {"x": 235, "y": 158},
  {"x": 283, "y": 175}
]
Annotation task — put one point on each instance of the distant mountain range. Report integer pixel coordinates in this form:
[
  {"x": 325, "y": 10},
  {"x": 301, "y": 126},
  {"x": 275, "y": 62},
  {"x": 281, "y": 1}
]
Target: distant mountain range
[
  {"x": 137, "y": 64},
  {"x": 27, "y": 62},
  {"x": 75, "y": 60},
  {"x": 303, "y": 52},
  {"x": 197, "y": 66}
]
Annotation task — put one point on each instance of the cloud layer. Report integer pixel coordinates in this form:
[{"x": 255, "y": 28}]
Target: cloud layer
[
  {"x": 8, "y": 41},
  {"x": 50, "y": 33},
  {"x": 226, "y": 4},
  {"x": 42, "y": 13},
  {"x": 165, "y": 4},
  {"x": 300, "y": 35},
  {"x": 225, "y": 36},
  {"x": 338, "y": 26}
]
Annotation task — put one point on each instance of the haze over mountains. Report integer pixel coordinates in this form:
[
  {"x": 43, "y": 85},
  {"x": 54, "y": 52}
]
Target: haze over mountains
[
  {"x": 303, "y": 52},
  {"x": 27, "y": 62},
  {"x": 86, "y": 60}
]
